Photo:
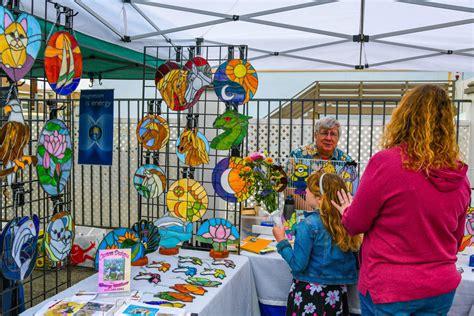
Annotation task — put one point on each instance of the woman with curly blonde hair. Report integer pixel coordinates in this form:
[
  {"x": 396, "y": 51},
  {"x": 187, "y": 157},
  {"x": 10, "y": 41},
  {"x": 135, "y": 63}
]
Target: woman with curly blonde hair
[
  {"x": 411, "y": 206},
  {"x": 322, "y": 260}
]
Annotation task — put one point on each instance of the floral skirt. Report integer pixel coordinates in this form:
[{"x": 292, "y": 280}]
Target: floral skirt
[{"x": 316, "y": 299}]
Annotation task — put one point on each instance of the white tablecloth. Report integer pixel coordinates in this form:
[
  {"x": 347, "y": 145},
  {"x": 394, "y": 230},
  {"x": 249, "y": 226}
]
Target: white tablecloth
[
  {"x": 235, "y": 296},
  {"x": 464, "y": 300}
]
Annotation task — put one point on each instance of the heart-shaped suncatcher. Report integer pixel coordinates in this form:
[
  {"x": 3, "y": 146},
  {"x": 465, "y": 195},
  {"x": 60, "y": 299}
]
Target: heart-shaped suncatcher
[
  {"x": 182, "y": 88},
  {"x": 20, "y": 41}
]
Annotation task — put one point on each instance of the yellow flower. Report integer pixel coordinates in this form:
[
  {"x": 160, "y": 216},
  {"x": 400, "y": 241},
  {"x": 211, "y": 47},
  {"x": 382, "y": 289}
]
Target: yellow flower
[
  {"x": 269, "y": 160},
  {"x": 128, "y": 235}
]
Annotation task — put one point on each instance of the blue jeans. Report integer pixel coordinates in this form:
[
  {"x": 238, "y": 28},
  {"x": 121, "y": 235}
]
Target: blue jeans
[{"x": 436, "y": 305}]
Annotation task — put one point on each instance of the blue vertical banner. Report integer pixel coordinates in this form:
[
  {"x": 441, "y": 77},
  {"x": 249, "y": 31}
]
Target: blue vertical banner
[{"x": 96, "y": 127}]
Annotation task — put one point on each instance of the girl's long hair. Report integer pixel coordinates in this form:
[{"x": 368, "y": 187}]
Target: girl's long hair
[
  {"x": 330, "y": 216},
  {"x": 423, "y": 125}
]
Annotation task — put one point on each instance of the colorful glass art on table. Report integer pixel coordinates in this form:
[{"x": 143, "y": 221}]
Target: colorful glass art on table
[
  {"x": 217, "y": 273},
  {"x": 14, "y": 136},
  {"x": 235, "y": 82},
  {"x": 194, "y": 260},
  {"x": 54, "y": 154},
  {"x": 182, "y": 88},
  {"x": 20, "y": 42},
  {"x": 165, "y": 304},
  {"x": 187, "y": 199},
  {"x": 226, "y": 262},
  {"x": 235, "y": 126},
  {"x": 173, "y": 231},
  {"x": 59, "y": 236},
  {"x": 154, "y": 278},
  {"x": 203, "y": 282},
  {"x": 160, "y": 265},
  {"x": 175, "y": 296},
  {"x": 18, "y": 247},
  {"x": 153, "y": 132},
  {"x": 219, "y": 232},
  {"x": 148, "y": 233},
  {"x": 122, "y": 238},
  {"x": 150, "y": 181},
  {"x": 189, "y": 288},
  {"x": 63, "y": 63},
  {"x": 228, "y": 183},
  {"x": 187, "y": 270},
  {"x": 192, "y": 148}
]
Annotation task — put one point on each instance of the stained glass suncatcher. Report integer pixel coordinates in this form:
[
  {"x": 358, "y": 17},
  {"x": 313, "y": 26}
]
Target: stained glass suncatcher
[
  {"x": 235, "y": 126},
  {"x": 173, "y": 231},
  {"x": 182, "y": 88},
  {"x": 235, "y": 82},
  {"x": 153, "y": 132},
  {"x": 219, "y": 232},
  {"x": 150, "y": 181},
  {"x": 148, "y": 233},
  {"x": 63, "y": 63},
  {"x": 187, "y": 199},
  {"x": 59, "y": 236},
  {"x": 192, "y": 148},
  {"x": 18, "y": 247},
  {"x": 20, "y": 42},
  {"x": 54, "y": 154},
  {"x": 227, "y": 182}
]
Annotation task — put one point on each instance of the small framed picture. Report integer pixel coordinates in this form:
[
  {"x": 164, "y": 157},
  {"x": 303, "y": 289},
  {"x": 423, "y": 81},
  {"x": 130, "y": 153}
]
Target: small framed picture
[{"x": 114, "y": 270}]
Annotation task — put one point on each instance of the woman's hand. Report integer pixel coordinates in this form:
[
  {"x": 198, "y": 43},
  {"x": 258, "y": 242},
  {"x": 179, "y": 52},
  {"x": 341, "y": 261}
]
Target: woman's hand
[
  {"x": 279, "y": 233},
  {"x": 345, "y": 200}
]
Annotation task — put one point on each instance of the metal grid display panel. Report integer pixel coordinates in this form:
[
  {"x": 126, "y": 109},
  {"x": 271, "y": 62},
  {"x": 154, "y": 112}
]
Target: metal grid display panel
[
  {"x": 207, "y": 109},
  {"x": 43, "y": 282}
]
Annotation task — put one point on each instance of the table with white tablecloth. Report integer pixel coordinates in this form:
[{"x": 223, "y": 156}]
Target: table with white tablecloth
[{"x": 235, "y": 296}]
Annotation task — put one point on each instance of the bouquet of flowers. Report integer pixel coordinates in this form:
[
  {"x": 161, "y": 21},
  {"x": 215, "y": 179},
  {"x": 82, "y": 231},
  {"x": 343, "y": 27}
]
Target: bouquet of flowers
[{"x": 262, "y": 176}]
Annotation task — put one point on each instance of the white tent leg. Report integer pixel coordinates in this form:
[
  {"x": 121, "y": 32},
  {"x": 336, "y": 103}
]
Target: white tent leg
[{"x": 469, "y": 93}]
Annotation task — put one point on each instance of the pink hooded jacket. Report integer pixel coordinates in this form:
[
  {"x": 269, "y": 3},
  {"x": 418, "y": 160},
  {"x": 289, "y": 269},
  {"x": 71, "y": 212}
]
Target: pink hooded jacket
[{"x": 413, "y": 225}]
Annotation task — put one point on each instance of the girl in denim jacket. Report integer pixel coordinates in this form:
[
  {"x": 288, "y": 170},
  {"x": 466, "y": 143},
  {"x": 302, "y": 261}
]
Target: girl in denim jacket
[{"x": 322, "y": 260}]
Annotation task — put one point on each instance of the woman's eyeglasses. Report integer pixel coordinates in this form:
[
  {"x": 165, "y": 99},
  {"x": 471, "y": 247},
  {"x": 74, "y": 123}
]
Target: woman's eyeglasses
[{"x": 330, "y": 134}]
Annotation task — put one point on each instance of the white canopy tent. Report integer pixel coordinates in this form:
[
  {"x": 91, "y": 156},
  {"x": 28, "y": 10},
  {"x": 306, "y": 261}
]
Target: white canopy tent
[{"x": 298, "y": 35}]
